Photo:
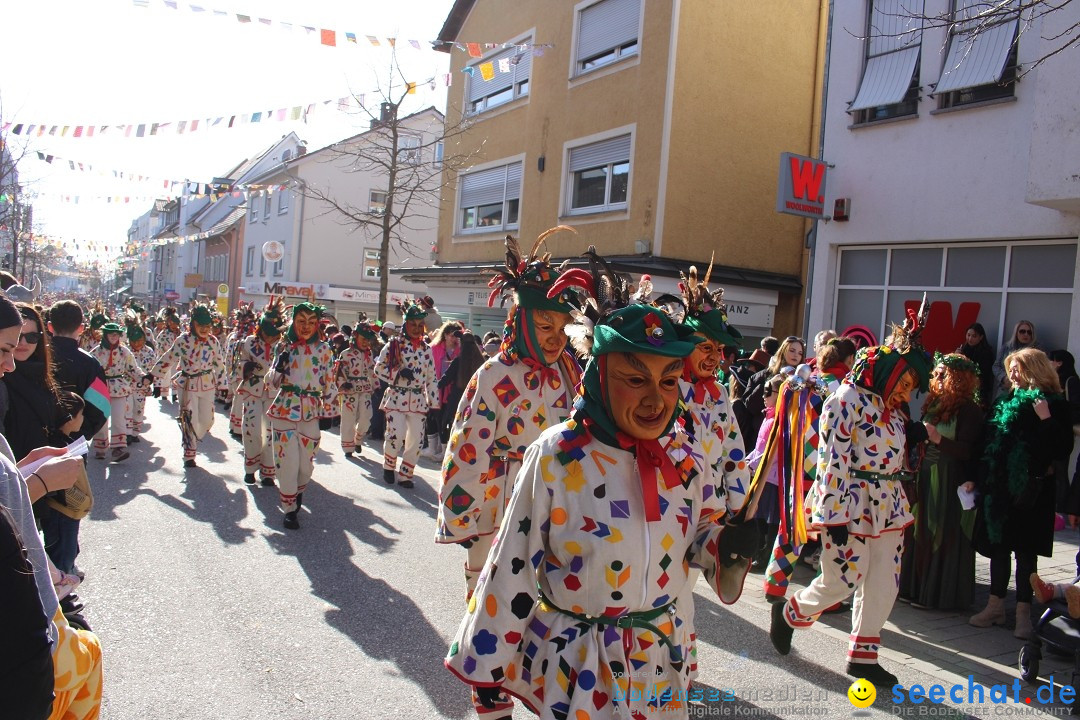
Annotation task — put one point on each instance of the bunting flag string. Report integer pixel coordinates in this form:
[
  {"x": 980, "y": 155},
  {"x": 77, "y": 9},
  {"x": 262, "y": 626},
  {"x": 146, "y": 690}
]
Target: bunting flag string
[
  {"x": 181, "y": 127},
  {"x": 327, "y": 37},
  {"x": 194, "y": 188}
]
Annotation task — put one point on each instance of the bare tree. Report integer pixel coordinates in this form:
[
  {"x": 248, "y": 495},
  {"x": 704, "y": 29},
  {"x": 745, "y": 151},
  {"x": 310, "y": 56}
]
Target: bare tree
[
  {"x": 16, "y": 206},
  {"x": 977, "y": 17},
  {"x": 392, "y": 150}
]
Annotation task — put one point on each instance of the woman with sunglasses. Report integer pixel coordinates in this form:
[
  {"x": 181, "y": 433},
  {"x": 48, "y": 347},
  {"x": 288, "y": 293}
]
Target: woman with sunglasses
[
  {"x": 1023, "y": 337},
  {"x": 34, "y": 416}
]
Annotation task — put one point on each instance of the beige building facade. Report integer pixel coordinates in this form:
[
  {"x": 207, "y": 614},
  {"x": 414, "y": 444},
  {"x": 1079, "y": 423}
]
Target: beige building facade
[{"x": 652, "y": 127}]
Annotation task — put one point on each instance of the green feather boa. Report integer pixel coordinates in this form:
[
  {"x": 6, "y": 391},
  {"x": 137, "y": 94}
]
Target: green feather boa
[{"x": 1007, "y": 460}]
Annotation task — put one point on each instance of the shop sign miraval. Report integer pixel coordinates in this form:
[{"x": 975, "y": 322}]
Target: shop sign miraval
[{"x": 305, "y": 291}]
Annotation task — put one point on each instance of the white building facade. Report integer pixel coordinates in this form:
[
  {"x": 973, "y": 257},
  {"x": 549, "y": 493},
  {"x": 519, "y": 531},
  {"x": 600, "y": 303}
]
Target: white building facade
[
  {"x": 958, "y": 180},
  {"x": 327, "y": 256}
]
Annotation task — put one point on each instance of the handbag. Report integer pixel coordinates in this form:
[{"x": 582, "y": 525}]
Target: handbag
[{"x": 75, "y": 502}]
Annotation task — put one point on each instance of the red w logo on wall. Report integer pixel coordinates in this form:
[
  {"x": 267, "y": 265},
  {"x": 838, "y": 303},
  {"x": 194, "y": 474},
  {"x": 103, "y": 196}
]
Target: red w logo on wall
[
  {"x": 943, "y": 334},
  {"x": 801, "y": 188}
]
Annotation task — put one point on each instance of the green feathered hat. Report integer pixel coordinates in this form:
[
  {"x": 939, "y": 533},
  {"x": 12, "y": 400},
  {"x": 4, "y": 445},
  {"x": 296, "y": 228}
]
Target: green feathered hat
[
  {"x": 880, "y": 367},
  {"x": 111, "y": 327},
  {"x": 98, "y": 320},
  {"x": 705, "y": 309},
  {"x": 201, "y": 315},
  {"x": 526, "y": 280},
  {"x": 412, "y": 311}
]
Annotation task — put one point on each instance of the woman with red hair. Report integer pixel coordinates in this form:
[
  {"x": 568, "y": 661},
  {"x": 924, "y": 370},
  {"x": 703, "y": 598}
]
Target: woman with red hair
[{"x": 939, "y": 562}]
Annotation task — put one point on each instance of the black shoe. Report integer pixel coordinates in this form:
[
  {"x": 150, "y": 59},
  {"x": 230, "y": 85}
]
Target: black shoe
[
  {"x": 291, "y": 523},
  {"x": 779, "y": 631},
  {"x": 235, "y": 435},
  {"x": 406, "y": 483},
  {"x": 249, "y": 479},
  {"x": 878, "y": 676},
  {"x": 267, "y": 481},
  {"x": 299, "y": 501},
  {"x": 388, "y": 476},
  {"x": 348, "y": 453},
  {"x": 132, "y": 439},
  {"x": 189, "y": 463}
]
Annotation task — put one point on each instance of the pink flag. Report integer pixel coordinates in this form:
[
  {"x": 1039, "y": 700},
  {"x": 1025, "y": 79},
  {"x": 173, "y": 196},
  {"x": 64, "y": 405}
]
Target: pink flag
[{"x": 328, "y": 37}]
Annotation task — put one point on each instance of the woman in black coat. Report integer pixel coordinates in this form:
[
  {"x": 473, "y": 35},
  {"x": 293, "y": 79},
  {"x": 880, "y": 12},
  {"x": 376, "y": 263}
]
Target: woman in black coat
[
  {"x": 34, "y": 414},
  {"x": 978, "y": 350},
  {"x": 1029, "y": 431}
]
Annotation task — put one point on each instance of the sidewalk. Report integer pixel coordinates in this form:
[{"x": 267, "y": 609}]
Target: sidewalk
[{"x": 936, "y": 642}]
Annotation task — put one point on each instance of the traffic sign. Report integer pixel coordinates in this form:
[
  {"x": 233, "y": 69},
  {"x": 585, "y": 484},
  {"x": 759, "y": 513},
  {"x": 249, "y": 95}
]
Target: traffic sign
[{"x": 172, "y": 295}]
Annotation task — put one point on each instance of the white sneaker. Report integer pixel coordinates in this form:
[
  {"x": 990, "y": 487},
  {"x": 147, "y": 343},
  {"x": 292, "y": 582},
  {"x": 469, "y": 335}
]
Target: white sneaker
[{"x": 814, "y": 561}]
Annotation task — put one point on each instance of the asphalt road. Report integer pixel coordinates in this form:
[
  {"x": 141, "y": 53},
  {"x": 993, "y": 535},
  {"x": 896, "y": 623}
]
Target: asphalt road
[{"x": 207, "y": 608}]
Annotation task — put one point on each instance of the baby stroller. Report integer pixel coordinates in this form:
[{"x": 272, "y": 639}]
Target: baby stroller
[{"x": 1061, "y": 634}]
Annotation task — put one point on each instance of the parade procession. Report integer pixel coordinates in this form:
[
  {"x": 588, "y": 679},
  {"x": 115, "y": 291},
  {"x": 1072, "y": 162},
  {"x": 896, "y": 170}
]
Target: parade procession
[{"x": 576, "y": 359}]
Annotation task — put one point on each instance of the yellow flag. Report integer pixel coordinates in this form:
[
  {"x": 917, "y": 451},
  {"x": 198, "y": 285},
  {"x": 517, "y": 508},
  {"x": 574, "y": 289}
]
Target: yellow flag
[
  {"x": 487, "y": 70},
  {"x": 411, "y": 87}
]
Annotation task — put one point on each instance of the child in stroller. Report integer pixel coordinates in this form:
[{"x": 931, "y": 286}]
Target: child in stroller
[{"x": 1058, "y": 627}]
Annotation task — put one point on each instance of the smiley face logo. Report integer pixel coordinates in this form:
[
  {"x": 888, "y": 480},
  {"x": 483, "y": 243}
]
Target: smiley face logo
[{"x": 862, "y": 693}]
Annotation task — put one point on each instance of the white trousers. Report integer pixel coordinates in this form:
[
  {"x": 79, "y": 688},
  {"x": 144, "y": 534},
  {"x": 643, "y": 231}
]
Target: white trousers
[
  {"x": 355, "y": 419},
  {"x": 868, "y": 566},
  {"x": 295, "y": 444},
  {"x": 201, "y": 405},
  {"x": 258, "y": 440},
  {"x": 404, "y": 431},
  {"x": 119, "y": 410}
]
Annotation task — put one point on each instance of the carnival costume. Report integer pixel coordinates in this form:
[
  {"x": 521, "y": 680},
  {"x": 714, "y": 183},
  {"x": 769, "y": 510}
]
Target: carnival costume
[
  {"x": 512, "y": 398},
  {"x": 89, "y": 340},
  {"x": 354, "y": 373},
  {"x": 857, "y": 501},
  {"x": 163, "y": 341},
  {"x": 243, "y": 329},
  {"x": 123, "y": 374},
  {"x": 255, "y": 356},
  {"x": 201, "y": 371},
  {"x": 407, "y": 367},
  {"x": 144, "y": 356},
  {"x": 303, "y": 376},
  {"x": 575, "y": 612}
]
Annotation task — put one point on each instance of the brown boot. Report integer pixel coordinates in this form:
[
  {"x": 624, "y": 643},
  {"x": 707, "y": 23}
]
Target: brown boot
[
  {"x": 992, "y": 614},
  {"x": 1023, "y": 621},
  {"x": 1072, "y": 596}
]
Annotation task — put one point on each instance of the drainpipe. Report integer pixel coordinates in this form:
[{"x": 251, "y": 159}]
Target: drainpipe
[
  {"x": 811, "y": 237},
  {"x": 299, "y": 236}
]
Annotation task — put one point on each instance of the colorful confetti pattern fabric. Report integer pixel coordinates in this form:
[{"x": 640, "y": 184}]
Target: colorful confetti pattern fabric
[
  {"x": 201, "y": 365},
  {"x": 576, "y": 527},
  {"x": 504, "y": 409},
  {"x": 303, "y": 390},
  {"x": 411, "y": 396},
  {"x": 855, "y": 436},
  {"x": 122, "y": 370}
]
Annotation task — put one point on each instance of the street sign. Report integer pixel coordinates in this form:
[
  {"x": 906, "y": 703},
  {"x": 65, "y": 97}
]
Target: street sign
[
  {"x": 159, "y": 277},
  {"x": 801, "y": 186},
  {"x": 172, "y": 295}
]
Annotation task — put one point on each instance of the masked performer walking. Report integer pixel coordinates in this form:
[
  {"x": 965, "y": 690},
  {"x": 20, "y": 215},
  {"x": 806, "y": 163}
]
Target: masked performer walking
[
  {"x": 255, "y": 356},
  {"x": 123, "y": 374},
  {"x": 355, "y": 378}
]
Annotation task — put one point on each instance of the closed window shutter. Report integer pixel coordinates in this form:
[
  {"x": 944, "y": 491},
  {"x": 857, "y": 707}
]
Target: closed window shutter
[
  {"x": 605, "y": 152},
  {"x": 513, "y": 181},
  {"x": 484, "y": 187},
  {"x": 606, "y": 25}
]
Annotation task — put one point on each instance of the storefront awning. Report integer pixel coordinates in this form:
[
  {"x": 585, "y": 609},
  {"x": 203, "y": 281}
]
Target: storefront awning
[{"x": 121, "y": 291}]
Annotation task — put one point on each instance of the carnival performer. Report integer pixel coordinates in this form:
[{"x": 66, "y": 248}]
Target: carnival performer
[
  {"x": 621, "y": 470},
  {"x": 303, "y": 378},
  {"x": 527, "y": 387},
  {"x": 939, "y": 562},
  {"x": 256, "y": 356},
  {"x": 201, "y": 371},
  {"x": 144, "y": 355},
  {"x": 354, "y": 373},
  {"x": 1029, "y": 429},
  {"x": 90, "y": 340},
  {"x": 124, "y": 376},
  {"x": 163, "y": 341},
  {"x": 406, "y": 366},
  {"x": 243, "y": 328},
  {"x": 858, "y": 499}
]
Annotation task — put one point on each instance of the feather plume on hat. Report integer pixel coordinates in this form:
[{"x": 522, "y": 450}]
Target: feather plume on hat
[
  {"x": 532, "y": 272},
  {"x": 602, "y": 291}
]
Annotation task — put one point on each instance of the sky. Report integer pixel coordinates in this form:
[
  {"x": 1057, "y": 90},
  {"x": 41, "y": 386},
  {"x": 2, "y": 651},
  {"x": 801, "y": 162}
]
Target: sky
[{"x": 120, "y": 62}]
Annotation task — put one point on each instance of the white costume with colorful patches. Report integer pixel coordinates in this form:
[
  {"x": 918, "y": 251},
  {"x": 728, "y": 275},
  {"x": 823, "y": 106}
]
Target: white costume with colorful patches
[
  {"x": 162, "y": 342},
  {"x": 405, "y": 402},
  {"x": 122, "y": 373},
  {"x": 576, "y": 525},
  {"x": 145, "y": 357},
  {"x": 357, "y": 368},
  {"x": 294, "y": 414},
  {"x": 235, "y": 369},
  {"x": 255, "y": 397},
  {"x": 201, "y": 371},
  {"x": 856, "y": 436}
]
